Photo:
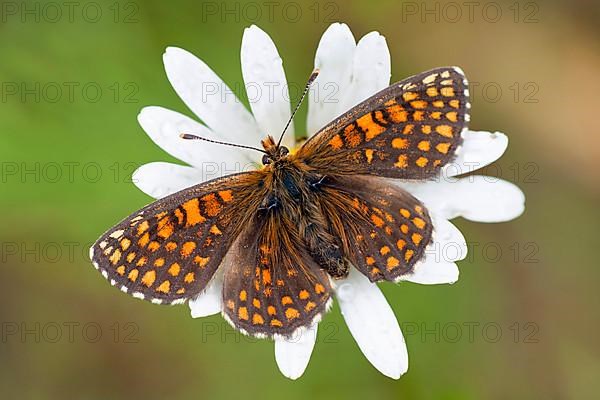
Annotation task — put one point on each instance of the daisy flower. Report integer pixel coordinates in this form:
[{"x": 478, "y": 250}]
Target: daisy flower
[{"x": 350, "y": 72}]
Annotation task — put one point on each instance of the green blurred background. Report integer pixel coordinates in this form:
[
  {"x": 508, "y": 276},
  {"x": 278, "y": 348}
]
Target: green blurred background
[{"x": 522, "y": 322}]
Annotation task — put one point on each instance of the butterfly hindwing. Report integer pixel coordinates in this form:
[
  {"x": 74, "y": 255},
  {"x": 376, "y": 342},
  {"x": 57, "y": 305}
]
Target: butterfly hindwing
[
  {"x": 408, "y": 130},
  {"x": 168, "y": 251},
  {"x": 385, "y": 229},
  {"x": 272, "y": 286}
]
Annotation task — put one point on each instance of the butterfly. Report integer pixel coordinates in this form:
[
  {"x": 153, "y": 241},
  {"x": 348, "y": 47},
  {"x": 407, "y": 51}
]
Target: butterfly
[{"x": 282, "y": 233}]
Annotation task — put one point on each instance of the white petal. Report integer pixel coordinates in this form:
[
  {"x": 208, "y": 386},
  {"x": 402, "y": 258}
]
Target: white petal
[
  {"x": 164, "y": 127},
  {"x": 372, "y": 324},
  {"x": 476, "y": 198},
  {"x": 334, "y": 58},
  {"x": 266, "y": 85},
  {"x": 438, "y": 266},
  {"x": 479, "y": 149},
  {"x": 210, "y": 301},
  {"x": 292, "y": 354},
  {"x": 210, "y": 98},
  {"x": 371, "y": 69},
  {"x": 160, "y": 179}
]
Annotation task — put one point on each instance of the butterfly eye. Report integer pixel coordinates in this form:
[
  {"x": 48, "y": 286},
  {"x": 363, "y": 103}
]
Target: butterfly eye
[
  {"x": 283, "y": 151},
  {"x": 266, "y": 160}
]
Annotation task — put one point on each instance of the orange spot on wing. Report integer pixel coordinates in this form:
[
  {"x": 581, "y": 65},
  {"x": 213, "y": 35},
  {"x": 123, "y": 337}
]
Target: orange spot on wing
[
  {"x": 165, "y": 228},
  {"x": 192, "y": 211},
  {"x": 392, "y": 262},
  {"x": 164, "y": 287},
  {"x": 352, "y": 136},
  {"x": 444, "y": 130},
  {"x": 399, "y": 143},
  {"x": 408, "y": 96},
  {"x": 443, "y": 147},
  {"x": 377, "y": 220},
  {"x": 133, "y": 274},
  {"x": 143, "y": 227},
  {"x": 452, "y": 116},
  {"x": 174, "y": 269},
  {"x": 226, "y": 195},
  {"x": 291, "y": 313},
  {"x": 402, "y": 161},
  {"x": 285, "y": 300},
  {"x": 369, "y": 155},
  {"x": 421, "y": 161},
  {"x": 187, "y": 249},
  {"x": 189, "y": 277},
  {"x": 201, "y": 261},
  {"x": 336, "y": 142},
  {"x": 149, "y": 278},
  {"x": 115, "y": 257},
  {"x": 125, "y": 243},
  {"x": 447, "y": 91},
  {"x": 432, "y": 91},
  {"x": 419, "y": 223},
  {"x": 397, "y": 113},
  {"x": 416, "y": 238},
  {"x": 179, "y": 216},
  {"x": 211, "y": 205},
  {"x": 371, "y": 128},
  {"x": 257, "y": 319},
  {"x": 142, "y": 261},
  {"x": 243, "y": 313},
  {"x": 418, "y": 104},
  {"x": 153, "y": 246},
  {"x": 144, "y": 240},
  {"x": 266, "y": 277}
]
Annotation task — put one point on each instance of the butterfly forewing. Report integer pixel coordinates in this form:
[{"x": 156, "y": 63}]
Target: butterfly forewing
[
  {"x": 275, "y": 287},
  {"x": 168, "y": 251},
  {"x": 408, "y": 130}
]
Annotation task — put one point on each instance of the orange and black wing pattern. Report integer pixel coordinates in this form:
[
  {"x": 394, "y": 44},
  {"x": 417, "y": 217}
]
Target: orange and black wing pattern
[
  {"x": 168, "y": 251},
  {"x": 384, "y": 230},
  {"x": 408, "y": 130},
  {"x": 275, "y": 287}
]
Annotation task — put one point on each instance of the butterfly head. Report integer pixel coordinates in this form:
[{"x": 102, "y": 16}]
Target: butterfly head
[{"x": 273, "y": 151}]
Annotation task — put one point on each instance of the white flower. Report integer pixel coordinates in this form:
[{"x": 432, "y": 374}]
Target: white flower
[{"x": 355, "y": 71}]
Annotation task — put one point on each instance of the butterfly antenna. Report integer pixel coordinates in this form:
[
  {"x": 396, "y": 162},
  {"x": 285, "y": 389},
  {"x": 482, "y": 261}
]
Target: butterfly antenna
[
  {"x": 311, "y": 79},
  {"x": 188, "y": 136}
]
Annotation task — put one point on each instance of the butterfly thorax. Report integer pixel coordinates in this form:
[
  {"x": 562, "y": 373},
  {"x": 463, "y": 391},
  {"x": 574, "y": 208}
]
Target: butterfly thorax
[{"x": 293, "y": 199}]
